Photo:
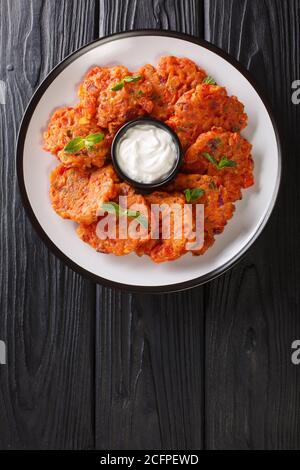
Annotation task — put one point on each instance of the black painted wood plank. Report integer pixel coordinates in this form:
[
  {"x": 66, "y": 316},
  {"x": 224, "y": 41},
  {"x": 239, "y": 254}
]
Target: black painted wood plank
[
  {"x": 185, "y": 16},
  {"x": 149, "y": 371},
  {"x": 149, "y": 356},
  {"x": 252, "y": 398},
  {"x": 47, "y": 311}
]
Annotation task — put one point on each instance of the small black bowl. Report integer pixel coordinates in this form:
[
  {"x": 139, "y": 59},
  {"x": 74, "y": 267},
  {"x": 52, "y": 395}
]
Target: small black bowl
[{"x": 146, "y": 187}]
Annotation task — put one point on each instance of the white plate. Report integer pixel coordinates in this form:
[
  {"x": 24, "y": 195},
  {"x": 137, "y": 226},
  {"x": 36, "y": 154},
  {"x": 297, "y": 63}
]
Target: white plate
[{"x": 134, "y": 49}]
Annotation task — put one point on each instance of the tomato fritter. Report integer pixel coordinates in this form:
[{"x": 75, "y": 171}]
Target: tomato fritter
[
  {"x": 96, "y": 155},
  {"x": 170, "y": 246},
  {"x": 173, "y": 77},
  {"x": 117, "y": 245},
  {"x": 161, "y": 97},
  {"x": 215, "y": 146},
  {"x": 62, "y": 127},
  {"x": 67, "y": 123},
  {"x": 205, "y": 107},
  {"x": 95, "y": 82},
  {"x": 132, "y": 100},
  {"x": 77, "y": 193},
  {"x": 217, "y": 209},
  {"x": 179, "y": 75}
]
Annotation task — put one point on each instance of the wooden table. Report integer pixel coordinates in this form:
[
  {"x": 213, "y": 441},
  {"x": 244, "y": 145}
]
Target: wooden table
[{"x": 91, "y": 367}]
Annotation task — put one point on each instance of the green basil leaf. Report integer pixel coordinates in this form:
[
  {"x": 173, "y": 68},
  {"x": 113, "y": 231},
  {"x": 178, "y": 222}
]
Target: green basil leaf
[
  {"x": 131, "y": 213},
  {"x": 75, "y": 145},
  {"x": 114, "y": 208},
  {"x": 93, "y": 139},
  {"x": 142, "y": 219},
  {"x": 224, "y": 162},
  {"x": 191, "y": 195},
  {"x": 210, "y": 158},
  {"x": 187, "y": 193},
  {"x": 209, "y": 80},
  {"x": 111, "y": 207},
  {"x": 118, "y": 86},
  {"x": 196, "y": 193},
  {"x": 79, "y": 143},
  {"x": 128, "y": 79},
  {"x": 132, "y": 78}
]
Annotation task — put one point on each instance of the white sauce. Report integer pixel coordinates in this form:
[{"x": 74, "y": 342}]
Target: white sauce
[{"x": 147, "y": 153}]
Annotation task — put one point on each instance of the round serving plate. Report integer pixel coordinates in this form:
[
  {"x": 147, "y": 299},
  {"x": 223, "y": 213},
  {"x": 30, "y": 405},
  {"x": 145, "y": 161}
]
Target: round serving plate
[{"x": 133, "y": 49}]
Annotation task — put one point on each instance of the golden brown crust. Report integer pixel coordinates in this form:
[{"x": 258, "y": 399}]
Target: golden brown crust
[
  {"x": 94, "y": 83},
  {"x": 173, "y": 77},
  {"x": 219, "y": 143},
  {"x": 160, "y": 95},
  {"x": 171, "y": 248},
  {"x": 179, "y": 75},
  {"x": 67, "y": 123},
  {"x": 77, "y": 193},
  {"x": 118, "y": 244},
  {"x": 217, "y": 207},
  {"x": 205, "y": 107},
  {"x": 115, "y": 108}
]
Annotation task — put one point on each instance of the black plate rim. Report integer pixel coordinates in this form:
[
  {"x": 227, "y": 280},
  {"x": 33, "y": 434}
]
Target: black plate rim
[{"x": 20, "y": 175}]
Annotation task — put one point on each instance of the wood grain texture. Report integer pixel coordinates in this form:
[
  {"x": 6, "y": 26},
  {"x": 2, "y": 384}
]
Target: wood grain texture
[
  {"x": 46, "y": 316},
  {"x": 149, "y": 349},
  {"x": 185, "y": 16},
  {"x": 252, "y": 399},
  {"x": 149, "y": 371}
]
